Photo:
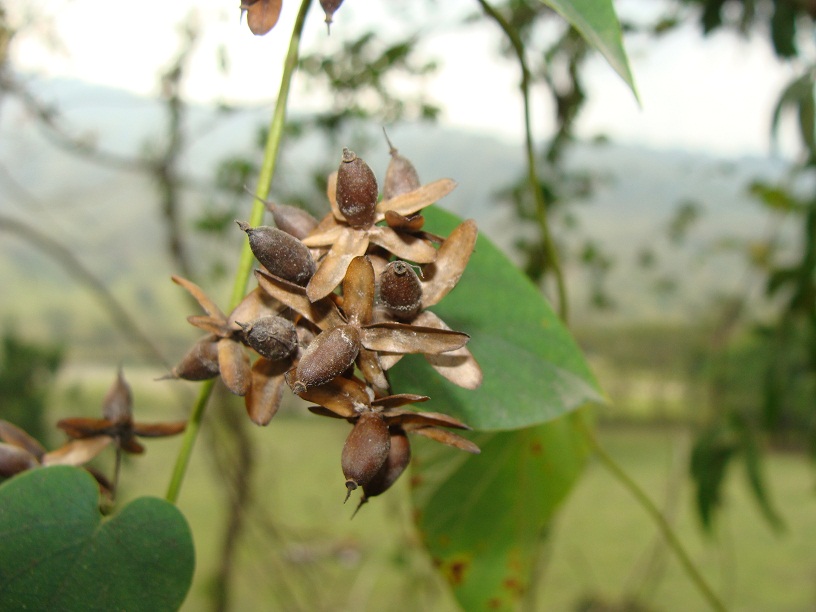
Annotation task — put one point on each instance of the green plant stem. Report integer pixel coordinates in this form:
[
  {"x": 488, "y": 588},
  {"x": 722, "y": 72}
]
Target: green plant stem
[
  {"x": 652, "y": 510},
  {"x": 532, "y": 175},
  {"x": 246, "y": 261}
]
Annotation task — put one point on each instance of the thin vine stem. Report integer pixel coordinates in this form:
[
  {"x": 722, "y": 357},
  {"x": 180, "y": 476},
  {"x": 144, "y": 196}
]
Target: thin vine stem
[
  {"x": 532, "y": 175},
  {"x": 563, "y": 308},
  {"x": 672, "y": 540},
  {"x": 246, "y": 260}
]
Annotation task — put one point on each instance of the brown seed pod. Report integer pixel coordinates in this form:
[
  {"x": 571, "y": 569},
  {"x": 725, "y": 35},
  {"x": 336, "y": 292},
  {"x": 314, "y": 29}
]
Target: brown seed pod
[
  {"x": 401, "y": 176},
  {"x": 328, "y": 356},
  {"x": 399, "y": 456},
  {"x": 262, "y": 15},
  {"x": 329, "y": 7},
  {"x": 200, "y": 362},
  {"x": 292, "y": 220},
  {"x": 117, "y": 407},
  {"x": 273, "y": 337},
  {"x": 400, "y": 290},
  {"x": 280, "y": 253},
  {"x": 365, "y": 451},
  {"x": 356, "y": 191}
]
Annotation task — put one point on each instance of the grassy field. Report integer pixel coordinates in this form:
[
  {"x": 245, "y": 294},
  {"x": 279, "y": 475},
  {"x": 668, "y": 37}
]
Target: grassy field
[{"x": 301, "y": 551}]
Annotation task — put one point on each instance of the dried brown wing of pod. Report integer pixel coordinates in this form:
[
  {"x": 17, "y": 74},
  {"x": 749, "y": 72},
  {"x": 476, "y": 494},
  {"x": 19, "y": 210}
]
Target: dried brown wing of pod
[
  {"x": 255, "y": 304},
  {"x": 403, "y": 338},
  {"x": 233, "y": 362},
  {"x": 331, "y": 194},
  {"x": 404, "y": 246},
  {"x": 210, "y": 324},
  {"x": 446, "y": 437},
  {"x": 343, "y": 397},
  {"x": 409, "y": 203},
  {"x": 77, "y": 452},
  {"x": 159, "y": 430},
  {"x": 321, "y": 411},
  {"x": 262, "y": 15},
  {"x": 15, "y": 436},
  {"x": 266, "y": 391},
  {"x": 442, "y": 275},
  {"x": 421, "y": 419},
  {"x": 358, "y": 291},
  {"x": 369, "y": 364},
  {"x": 399, "y": 399},
  {"x": 332, "y": 268},
  {"x": 84, "y": 427},
  {"x": 210, "y": 307},
  {"x": 458, "y": 366},
  {"x": 322, "y": 313},
  {"x": 396, "y": 221}
]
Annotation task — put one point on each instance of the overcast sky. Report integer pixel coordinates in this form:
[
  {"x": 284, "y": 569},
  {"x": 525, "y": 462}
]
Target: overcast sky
[{"x": 713, "y": 95}]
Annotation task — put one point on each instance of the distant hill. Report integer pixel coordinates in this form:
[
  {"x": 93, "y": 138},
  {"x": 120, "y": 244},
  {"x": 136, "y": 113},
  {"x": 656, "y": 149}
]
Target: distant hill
[{"x": 110, "y": 217}]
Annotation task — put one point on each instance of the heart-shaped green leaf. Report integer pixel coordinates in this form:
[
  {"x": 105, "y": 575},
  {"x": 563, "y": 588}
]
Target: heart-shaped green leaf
[
  {"x": 57, "y": 552},
  {"x": 533, "y": 369},
  {"x": 484, "y": 517},
  {"x": 598, "y": 24}
]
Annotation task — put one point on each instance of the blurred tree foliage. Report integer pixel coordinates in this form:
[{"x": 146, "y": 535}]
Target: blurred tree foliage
[{"x": 27, "y": 372}]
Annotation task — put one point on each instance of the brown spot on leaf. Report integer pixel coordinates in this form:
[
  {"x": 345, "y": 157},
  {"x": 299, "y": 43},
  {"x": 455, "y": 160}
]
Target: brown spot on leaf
[
  {"x": 514, "y": 586},
  {"x": 456, "y": 570},
  {"x": 536, "y": 448}
]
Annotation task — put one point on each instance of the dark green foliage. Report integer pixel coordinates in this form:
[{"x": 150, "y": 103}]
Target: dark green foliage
[{"x": 27, "y": 372}]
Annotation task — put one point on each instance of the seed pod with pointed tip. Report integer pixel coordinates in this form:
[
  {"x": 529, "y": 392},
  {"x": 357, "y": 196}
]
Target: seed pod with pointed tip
[
  {"x": 292, "y": 220},
  {"x": 356, "y": 191},
  {"x": 399, "y": 456},
  {"x": 401, "y": 176},
  {"x": 329, "y": 7},
  {"x": 200, "y": 362},
  {"x": 365, "y": 451},
  {"x": 400, "y": 290},
  {"x": 117, "y": 407},
  {"x": 273, "y": 337},
  {"x": 327, "y": 357},
  {"x": 280, "y": 253}
]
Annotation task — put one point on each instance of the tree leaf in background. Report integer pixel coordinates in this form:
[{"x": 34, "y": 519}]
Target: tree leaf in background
[
  {"x": 534, "y": 370},
  {"x": 792, "y": 96},
  {"x": 597, "y": 22},
  {"x": 57, "y": 552},
  {"x": 484, "y": 517},
  {"x": 783, "y": 28},
  {"x": 712, "y": 452}
]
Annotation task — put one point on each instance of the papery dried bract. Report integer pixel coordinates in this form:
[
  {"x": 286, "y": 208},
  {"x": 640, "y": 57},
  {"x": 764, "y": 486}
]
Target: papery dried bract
[
  {"x": 266, "y": 391},
  {"x": 200, "y": 362},
  {"x": 117, "y": 406}
]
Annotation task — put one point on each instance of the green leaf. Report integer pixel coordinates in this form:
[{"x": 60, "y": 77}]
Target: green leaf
[
  {"x": 484, "y": 517},
  {"x": 533, "y": 369},
  {"x": 598, "y": 24},
  {"x": 57, "y": 552},
  {"x": 713, "y": 451},
  {"x": 794, "y": 95}
]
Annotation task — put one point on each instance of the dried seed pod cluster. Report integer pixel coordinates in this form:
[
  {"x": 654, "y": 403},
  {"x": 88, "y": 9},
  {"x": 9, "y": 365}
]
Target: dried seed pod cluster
[{"x": 339, "y": 301}]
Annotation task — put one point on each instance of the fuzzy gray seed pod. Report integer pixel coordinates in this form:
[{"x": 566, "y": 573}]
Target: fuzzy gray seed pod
[
  {"x": 365, "y": 451},
  {"x": 356, "y": 191},
  {"x": 400, "y": 290},
  {"x": 272, "y": 337}
]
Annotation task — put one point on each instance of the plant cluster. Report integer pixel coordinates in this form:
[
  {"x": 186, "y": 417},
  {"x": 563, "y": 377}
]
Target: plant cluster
[{"x": 338, "y": 302}]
